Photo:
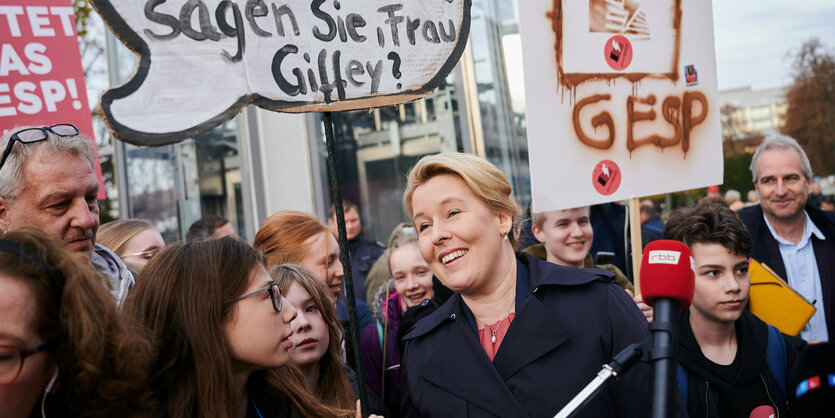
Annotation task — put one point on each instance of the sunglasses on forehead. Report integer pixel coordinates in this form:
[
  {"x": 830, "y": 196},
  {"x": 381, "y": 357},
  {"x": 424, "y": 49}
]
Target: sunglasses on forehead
[{"x": 31, "y": 135}]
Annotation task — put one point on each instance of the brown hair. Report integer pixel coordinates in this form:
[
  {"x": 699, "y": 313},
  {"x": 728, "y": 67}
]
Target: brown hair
[
  {"x": 282, "y": 236},
  {"x": 204, "y": 228},
  {"x": 115, "y": 234},
  {"x": 184, "y": 296},
  {"x": 483, "y": 178},
  {"x": 333, "y": 387},
  {"x": 713, "y": 200},
  {"x": 709, "y": 223},
  {"x": 346, "y": 207},
  {"x": 102, "y": 355}
]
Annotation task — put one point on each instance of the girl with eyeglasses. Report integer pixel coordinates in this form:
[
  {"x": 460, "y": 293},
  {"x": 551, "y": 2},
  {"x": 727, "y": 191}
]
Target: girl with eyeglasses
[
  {"x": 222, "y": 328},
  {"x": 65, "y": 349},
  {"x": 135, "y": 241}
]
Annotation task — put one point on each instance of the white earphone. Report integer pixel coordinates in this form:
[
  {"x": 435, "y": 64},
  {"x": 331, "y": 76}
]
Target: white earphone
[{"x": 46, "y": 392}]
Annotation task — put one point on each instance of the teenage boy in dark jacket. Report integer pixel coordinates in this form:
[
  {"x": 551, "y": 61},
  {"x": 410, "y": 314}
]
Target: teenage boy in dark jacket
[{"x": 723, "y": 349}]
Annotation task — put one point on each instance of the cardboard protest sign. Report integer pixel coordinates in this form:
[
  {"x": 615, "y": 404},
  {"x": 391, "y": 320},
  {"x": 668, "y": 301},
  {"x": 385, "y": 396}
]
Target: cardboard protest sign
[
  {"x": 622, "y": 99},
  {"x": 201, "y": 61},
  {"x": 41, "y": 75}
]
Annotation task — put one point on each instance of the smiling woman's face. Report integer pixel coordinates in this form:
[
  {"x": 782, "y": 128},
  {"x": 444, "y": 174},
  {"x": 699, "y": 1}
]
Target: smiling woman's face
[{"x": 460, "y": 237}]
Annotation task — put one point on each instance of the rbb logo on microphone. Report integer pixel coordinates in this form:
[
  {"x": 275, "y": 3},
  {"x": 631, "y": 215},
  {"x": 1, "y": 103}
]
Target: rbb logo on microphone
[
  {"x": 665, "y": 273},
  {"x": 663, "y": 257}
]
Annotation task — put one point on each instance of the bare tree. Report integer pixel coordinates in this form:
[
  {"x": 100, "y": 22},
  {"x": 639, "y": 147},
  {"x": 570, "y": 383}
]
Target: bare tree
[{"x": 811, "y": 103}]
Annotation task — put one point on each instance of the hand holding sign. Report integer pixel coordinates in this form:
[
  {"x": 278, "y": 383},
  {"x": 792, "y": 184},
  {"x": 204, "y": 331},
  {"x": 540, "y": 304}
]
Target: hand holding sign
[{"x": 201, "y": 61}]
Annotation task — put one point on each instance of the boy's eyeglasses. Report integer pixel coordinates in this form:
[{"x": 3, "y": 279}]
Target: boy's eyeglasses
[
  {"x": 31, "y": 135},
  {"x": 275, "y": 295}
]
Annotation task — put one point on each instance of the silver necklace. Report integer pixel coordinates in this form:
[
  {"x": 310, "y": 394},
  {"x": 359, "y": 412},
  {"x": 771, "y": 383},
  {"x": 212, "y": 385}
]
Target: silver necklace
[{"x": 496, "y": 331}]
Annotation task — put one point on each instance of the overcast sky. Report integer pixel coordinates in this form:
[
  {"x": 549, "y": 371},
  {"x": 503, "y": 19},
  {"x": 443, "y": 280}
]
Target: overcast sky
[{"x": 756, "y": 39}]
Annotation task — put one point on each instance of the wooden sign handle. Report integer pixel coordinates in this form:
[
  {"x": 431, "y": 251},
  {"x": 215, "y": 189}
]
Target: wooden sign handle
[{"x": 637, "y": 244}]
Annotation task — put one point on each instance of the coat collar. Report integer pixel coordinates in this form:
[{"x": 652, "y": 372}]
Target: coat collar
[{"x": 540, "y": 273}]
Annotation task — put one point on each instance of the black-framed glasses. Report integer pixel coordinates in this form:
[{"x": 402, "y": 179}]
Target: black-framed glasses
[
  {"x": 30, "y": 135},
  {"x": 275, "y": 295},
  {"x": 12, "y": 358}
]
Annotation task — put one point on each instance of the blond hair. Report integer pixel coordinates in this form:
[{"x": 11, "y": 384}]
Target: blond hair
[
  {"x": 482, "y": 177},
  {"x": 116, "y": 234},
  {"x": 538, "y": 218}
]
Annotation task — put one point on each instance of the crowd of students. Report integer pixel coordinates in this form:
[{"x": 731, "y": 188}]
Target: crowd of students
[{"x": 111, "y": 321}]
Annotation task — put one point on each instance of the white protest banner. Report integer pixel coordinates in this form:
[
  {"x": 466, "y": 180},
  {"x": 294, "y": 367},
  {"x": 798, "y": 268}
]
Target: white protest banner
[
  {"x": 201, "y": 61},
  {"x": 622, "y": 99},
  {"x": 41, "y": 75}
]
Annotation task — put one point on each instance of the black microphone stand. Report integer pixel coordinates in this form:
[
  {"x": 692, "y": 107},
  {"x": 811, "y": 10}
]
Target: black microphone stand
[{"x": 663, "y": 355}]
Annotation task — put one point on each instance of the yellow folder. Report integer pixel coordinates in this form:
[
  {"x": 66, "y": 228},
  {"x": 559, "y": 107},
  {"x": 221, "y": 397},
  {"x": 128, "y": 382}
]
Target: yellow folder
[{"x": 773, "y": 301}]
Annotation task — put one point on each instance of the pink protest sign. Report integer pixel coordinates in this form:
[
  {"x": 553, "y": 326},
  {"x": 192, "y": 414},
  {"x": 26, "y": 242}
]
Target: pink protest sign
[{"x": 41, "y": 76}]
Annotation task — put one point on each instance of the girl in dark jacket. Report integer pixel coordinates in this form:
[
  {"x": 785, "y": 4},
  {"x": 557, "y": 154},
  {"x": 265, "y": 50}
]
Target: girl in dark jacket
[{"x": 410, "y": 285}]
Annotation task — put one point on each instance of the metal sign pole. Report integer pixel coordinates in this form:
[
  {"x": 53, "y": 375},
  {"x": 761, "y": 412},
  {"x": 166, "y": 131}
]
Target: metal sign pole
[{"x": 336, "y": 188}]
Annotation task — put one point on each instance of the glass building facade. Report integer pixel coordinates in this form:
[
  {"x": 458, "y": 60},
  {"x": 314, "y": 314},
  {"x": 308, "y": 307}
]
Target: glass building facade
[{"x": 242, "y": 171}]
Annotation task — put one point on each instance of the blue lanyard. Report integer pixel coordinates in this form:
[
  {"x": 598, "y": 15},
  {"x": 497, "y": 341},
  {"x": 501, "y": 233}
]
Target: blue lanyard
[{"x": 256, "y": 407}]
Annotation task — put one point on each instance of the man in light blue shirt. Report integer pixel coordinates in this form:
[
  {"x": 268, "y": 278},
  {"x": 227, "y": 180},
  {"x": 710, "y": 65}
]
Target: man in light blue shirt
[
  {"x": 795, "y": 239},
  {"x": 803, "y": 275}
]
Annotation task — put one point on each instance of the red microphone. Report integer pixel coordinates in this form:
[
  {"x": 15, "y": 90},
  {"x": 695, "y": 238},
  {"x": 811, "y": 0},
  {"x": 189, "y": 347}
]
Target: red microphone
[
  {"x": 667, "y": 282},
  {"x": 667, "y": 273}
]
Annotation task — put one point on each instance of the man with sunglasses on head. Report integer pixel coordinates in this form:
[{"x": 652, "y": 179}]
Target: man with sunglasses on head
[{"x": 48, "y": 181}]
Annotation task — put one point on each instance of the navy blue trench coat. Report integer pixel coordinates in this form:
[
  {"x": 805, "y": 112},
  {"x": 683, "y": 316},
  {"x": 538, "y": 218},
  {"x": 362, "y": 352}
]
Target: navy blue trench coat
[{"x": 569, "y": 322}]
